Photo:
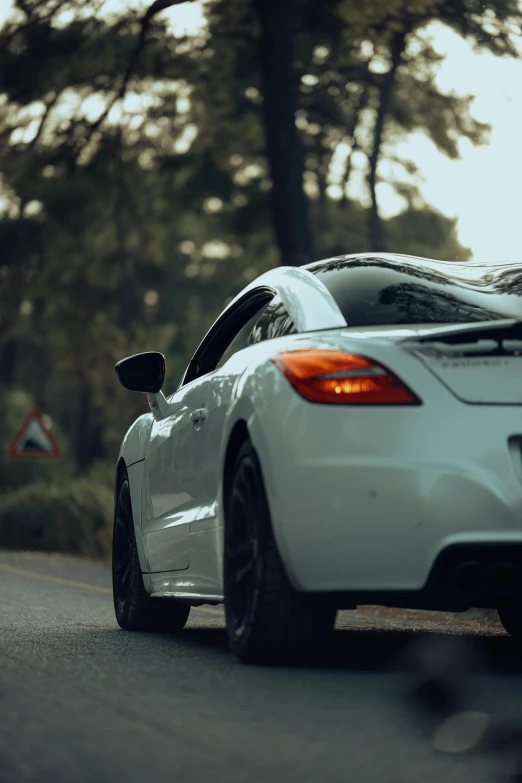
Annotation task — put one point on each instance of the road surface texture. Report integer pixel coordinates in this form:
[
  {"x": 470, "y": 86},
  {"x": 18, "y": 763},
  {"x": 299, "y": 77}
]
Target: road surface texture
[{"x": 402, "y": 696}]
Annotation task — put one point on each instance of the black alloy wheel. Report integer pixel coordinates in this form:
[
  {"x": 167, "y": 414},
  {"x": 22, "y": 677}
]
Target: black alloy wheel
[
  {"x": 268, "y": 621},
  {"x": 242, "y": 555},
  {"x": 135, "y": 610},
  {"x": 122, "y": 549}
]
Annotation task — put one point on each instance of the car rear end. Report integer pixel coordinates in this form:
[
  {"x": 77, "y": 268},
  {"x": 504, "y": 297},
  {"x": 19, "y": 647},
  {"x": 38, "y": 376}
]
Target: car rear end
[{"x": 408, "y": 502}]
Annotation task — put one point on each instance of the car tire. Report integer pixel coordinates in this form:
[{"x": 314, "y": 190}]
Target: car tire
[
  {"x": 268, "y": 621},
  {"x": 135, "y": 610},
  {"x": 511, "y": 619}
]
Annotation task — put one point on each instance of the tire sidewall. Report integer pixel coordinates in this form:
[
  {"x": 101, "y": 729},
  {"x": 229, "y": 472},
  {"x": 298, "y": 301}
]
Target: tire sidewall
[
  {"x": 123, "y": 613},
  {"x": 238, "y": 642}
]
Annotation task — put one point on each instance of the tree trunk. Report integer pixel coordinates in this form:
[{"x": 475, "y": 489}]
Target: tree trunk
[
  {"x": 284, "y": 147},
  {"x": 376, "y": 231},
  {"x": 8, "y": 356},
  {"x": 9, "y": 351},
  {"x": 88, "y": 445},
  {"x": 358, "y": 106},
  {"x": 127, "y": 300}
]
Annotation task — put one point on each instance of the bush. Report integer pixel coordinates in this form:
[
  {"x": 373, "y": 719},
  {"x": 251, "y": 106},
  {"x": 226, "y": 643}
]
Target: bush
[
  {"x": 73, "y": 517},
  {"x": 103, "y": 473}
]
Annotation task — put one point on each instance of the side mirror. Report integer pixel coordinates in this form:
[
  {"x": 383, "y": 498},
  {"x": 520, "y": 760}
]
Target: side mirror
[{"x": 143, "y": 372}]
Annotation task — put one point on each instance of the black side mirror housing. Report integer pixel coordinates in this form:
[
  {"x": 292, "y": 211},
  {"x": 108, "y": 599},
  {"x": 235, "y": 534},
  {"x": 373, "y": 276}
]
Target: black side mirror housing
[{"x": 143, "y": 372}]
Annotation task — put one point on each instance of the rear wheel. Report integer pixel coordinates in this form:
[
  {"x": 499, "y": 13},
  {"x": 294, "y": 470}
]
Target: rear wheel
[
  {"x": 135, "y": 610},
  {"x": 511, "y": 619},
  {"x": 268, "y": 621}
]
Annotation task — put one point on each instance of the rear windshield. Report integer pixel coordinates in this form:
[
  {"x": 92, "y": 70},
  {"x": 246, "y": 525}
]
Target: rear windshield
[{"x": 375, "y": 291}]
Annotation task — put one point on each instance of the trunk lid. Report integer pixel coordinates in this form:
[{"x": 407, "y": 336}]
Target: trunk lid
[{"x": 479, "y": 363}]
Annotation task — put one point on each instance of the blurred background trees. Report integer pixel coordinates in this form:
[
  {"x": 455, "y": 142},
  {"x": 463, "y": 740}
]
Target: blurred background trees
[{"x": 147, "y": 176}]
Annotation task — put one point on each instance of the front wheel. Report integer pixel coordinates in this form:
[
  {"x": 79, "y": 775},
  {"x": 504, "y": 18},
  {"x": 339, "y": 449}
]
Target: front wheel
[
  {"x": 135, "y": 610},
  {"x": 268, "y": 621}
]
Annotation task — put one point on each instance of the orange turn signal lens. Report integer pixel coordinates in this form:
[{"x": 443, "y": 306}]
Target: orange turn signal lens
[{"x": 330, "y": 376}]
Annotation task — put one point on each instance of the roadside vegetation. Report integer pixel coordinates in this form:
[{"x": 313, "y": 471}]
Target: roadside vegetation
[
  {"x": 147, "y": 176},
  {"x": 62, "y": 511}
]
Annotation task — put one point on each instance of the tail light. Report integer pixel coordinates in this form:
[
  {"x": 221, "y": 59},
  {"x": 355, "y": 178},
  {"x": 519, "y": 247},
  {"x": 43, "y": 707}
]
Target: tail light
[{"x": 330, "y": 376}]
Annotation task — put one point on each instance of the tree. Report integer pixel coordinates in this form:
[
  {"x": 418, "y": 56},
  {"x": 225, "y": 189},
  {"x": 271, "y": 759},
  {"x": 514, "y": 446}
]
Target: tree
[
  {"x": 404, "y": 62},
  {"x": 136, "y": 199}
]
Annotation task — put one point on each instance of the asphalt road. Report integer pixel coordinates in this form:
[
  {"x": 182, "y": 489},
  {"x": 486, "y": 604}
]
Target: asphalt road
[{"x": 401, "y": 697}]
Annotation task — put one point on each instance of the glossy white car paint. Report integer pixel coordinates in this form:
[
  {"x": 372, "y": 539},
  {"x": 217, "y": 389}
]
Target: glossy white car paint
[{"x": 361, "y": 497}]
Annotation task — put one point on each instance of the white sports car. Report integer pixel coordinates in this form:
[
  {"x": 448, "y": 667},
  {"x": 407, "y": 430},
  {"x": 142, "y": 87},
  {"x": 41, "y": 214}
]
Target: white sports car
[{"x": 349, "y": 432}]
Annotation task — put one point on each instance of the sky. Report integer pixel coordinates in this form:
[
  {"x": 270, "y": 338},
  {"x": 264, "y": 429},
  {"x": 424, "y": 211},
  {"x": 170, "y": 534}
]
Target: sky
[{"x": 482, "y": 190}]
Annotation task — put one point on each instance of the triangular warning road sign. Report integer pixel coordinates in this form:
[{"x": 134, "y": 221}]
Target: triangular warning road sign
[{"x": 34, "y": 440}]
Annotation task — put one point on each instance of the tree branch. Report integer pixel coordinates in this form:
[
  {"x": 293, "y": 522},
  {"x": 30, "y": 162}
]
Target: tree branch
[
  {"x": 146, "y": 20},
  {"x": 49, "y": 106},
  {"x": 11, "y": 29}
]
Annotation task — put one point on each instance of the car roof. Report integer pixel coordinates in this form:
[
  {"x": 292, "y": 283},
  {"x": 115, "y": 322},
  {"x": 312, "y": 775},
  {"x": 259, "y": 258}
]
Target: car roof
[{"x": 440, "y": 264}]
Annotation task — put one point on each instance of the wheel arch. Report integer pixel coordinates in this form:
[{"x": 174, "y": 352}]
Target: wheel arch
[
  {"x": 237, "y": 437},
  {"x": 135, "y": 442},
  {"x": 134, "y": 473},
  {"x": 250, "y": 429},
  {"x": 121, "y": 470}
]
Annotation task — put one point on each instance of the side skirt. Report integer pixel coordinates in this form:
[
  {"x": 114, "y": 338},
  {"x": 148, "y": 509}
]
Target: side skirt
[{"x": 185, "y": 588}]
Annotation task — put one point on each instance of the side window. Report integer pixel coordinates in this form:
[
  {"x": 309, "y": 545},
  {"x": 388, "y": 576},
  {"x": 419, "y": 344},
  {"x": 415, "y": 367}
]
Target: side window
[
  {"x": 270, "y": 319},
  {"x": 273, "y": 322},
  {"x": 242, "y": 338}
]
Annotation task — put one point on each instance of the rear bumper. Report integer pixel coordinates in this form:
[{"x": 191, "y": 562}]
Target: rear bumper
[
  {"x": 486, "y": 575},
  {"x": 367, "y": 500},
  {"x": 463, "y": 576}
]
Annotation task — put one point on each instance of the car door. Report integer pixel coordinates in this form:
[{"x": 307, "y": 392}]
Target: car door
[
  {"x": 177, "y": 464},
  {"x": 171, "y": 473}
]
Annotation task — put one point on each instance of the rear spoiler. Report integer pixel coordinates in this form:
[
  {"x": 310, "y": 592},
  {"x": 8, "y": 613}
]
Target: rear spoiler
[{"x": 487, "y": 338}]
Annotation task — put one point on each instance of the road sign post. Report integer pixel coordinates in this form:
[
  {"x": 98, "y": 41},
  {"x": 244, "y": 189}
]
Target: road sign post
[{"x": 34, "y": 441}]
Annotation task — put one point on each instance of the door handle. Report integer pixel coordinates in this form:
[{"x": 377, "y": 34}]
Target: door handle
[{"x": 198, "y": 416}]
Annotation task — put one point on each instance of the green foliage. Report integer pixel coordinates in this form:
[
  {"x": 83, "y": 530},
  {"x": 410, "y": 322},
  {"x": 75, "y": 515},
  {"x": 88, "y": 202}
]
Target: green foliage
[
  {"x": 418, "y": 105},
  {"x": 73, "y": 516},
  {"x": 425, "y": 232}
]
